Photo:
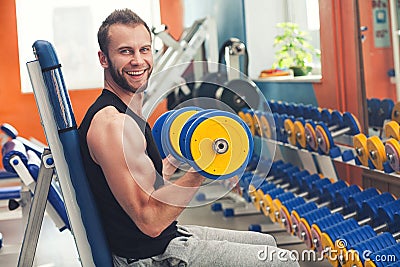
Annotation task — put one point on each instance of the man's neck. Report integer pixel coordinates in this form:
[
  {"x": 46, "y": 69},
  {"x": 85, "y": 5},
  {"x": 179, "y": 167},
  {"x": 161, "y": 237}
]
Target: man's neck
[{"x": 133, "y": 100}]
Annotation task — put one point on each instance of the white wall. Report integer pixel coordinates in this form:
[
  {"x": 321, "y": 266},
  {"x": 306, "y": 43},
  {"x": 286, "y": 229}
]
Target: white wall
[{"x": 71, "y": 26}]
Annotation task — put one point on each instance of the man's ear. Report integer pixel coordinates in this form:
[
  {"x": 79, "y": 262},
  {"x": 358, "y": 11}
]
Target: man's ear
[{"x": 103, "y": 59}]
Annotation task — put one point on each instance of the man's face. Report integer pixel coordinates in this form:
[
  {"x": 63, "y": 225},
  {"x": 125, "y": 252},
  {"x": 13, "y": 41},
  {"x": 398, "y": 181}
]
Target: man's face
[{"x": 130, "y": 59}]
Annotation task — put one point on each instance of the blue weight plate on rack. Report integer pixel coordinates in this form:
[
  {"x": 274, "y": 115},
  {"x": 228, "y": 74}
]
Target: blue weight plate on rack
[{"x": 350, "y": 121}]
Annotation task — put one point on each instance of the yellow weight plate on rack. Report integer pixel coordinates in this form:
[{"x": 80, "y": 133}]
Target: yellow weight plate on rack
[
  {"x": 248, "y": 119},
  {"x": 340, "y": 247},
  {"x": 204, "y": 137},
  {"x": 289, "y": 128},
  {"x": 276, "y": 207},
  {"x": 267, "y": 204},
  {"x": 392, "y": 130},
  {"x": 265, "y": 127},
  {"x": 300, "y": 134},
  {"x": 360, "y": 145},
  {"x": 376, "y": 151},
  {"x": 369, "y": 263},
  {"x": 255, "y": 196},
  {"x": 327, "y": 245},
  {"x": 257, "y": 125},
  {"x": 396, "y": 112},
  {"x": 176, "y": 127},
  {"x": 354, "y": 259}
]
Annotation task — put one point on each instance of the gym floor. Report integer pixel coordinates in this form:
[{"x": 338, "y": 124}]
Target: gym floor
[{"x": 57, "y": 248}]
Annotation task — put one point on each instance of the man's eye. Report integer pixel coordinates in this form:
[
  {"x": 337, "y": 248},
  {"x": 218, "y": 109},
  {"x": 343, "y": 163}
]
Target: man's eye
[
  {"x": 145, "y": 49},
  {"x": 125, "y": 51}
]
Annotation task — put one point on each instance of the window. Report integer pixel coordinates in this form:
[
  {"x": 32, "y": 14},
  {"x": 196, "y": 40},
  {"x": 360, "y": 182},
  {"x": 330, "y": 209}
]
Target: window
[{"x": 71, "y": 26}]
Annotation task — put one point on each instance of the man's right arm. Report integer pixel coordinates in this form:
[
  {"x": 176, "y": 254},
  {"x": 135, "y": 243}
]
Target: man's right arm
[{"x": 117, "y": 144}]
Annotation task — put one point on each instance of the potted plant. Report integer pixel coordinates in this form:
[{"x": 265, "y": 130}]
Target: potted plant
[{"x": 294, "y": 49}]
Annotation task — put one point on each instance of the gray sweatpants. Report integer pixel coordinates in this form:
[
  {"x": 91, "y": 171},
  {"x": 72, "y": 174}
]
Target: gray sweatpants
[{"x": 217, "y": 247}]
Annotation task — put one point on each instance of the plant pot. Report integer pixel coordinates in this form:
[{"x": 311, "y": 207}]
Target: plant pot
[{"x": 300, "y": 71}]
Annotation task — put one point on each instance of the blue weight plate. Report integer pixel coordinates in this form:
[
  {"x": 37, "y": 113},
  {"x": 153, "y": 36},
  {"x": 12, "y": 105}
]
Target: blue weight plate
[
  {"x": 205, "y": 117},
  {"x": 350, "y": 121},
  {"x": 337, "y": 118},
  {"x": 165, "y": 132},
  {"x": 157, "y": 132},
  {"x": 373, "y": 105},
  {"x": 326, "y": 116}
]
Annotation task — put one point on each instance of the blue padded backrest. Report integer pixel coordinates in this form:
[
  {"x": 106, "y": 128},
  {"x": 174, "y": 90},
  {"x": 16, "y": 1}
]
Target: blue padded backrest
[{"x": 68, "y": 136}]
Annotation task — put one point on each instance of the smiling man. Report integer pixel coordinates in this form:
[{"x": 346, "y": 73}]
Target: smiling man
[{"x": 137, "y": 203}]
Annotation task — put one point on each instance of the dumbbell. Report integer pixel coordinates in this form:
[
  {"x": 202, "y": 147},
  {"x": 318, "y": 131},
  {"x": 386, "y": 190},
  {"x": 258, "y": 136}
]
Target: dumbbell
[
  {"x": 325, "y": 137},
  {"x": 368, "y": 236},
  {"x": 340, "y": 205},
  {"x": 389, "y": 256},
  {"x": 369, "y": 213},
  {"x": 392, "y": 150},
  {"x": 332, "y": 119},
  {"x": 353, "y": 207},
  {"x": 315, "y": 189},
  {"x": 283, "y": 176},
  {"x": 217, "y": 144},
  {"x": 282, "y": 206},
  {"x": 377, "y": 146},
  {"x": 305, "y": 131},
  {"x": 362, "y": 249}
]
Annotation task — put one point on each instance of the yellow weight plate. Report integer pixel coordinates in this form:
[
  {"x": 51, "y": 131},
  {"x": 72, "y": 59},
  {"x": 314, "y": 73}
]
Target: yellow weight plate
[
  {"x": 327, "y": 245},
  {"x": 202, "y": 143},
  {"x": 307, "y": 238},
  {"x": 340, "y": 247},
  {"x": 376, "y": 151},
  {"x": 176, "y": 127},
  {"x": 276, "y": 206},
  {"x": 248, "y": 119},
  {"x": 255, "y": 196},
  {"x": 392, "y": 130},
  {"x": 300, "y": 133},
  {"x": 284, "y": 213},
  {"x": 369, "y": 263},
  {"x": 257, "y": 125},
  {"x": 353, "y": 259},
  {"x": 396, "y": 112},
  {"x": 360, "y": 145},
  {"x": 265, "y": 127},
  {"x": 267, "y": 204},
  {"x": 289, "y": 128}
]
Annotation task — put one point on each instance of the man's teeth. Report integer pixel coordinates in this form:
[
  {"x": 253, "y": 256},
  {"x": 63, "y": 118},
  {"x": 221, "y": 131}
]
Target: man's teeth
[{"x": 135, "y": 72}]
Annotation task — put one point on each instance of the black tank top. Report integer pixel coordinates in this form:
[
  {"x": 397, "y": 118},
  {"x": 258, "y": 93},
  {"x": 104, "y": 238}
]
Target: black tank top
[{"x": 124, "y": 237}]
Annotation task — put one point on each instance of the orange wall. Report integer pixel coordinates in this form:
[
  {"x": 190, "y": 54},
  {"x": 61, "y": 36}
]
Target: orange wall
[{"x": 377, "y": 61}]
